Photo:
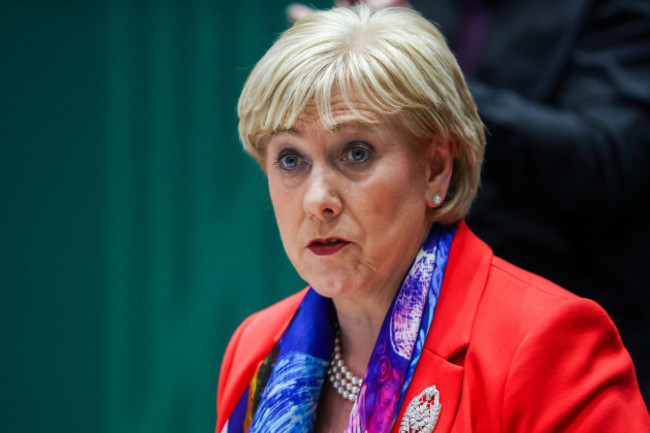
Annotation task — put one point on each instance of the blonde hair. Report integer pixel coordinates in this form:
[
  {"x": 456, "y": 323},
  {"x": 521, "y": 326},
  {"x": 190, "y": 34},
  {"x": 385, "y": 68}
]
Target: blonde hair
[{"x": 394, "y": 61}]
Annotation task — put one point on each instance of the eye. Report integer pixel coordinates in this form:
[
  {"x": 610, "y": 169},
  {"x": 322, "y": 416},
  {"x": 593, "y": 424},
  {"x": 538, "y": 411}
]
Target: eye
[
  {"x": 289, "y": 160},
  {"x": 358, "y": 152}
]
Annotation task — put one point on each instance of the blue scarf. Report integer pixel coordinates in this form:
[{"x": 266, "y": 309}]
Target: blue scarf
[{"x": 284, "y": 392}]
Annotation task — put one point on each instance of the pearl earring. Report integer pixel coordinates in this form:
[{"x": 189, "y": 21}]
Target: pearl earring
[{"x": 437, "y": 199}]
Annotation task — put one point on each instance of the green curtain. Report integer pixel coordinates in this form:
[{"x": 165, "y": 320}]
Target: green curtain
[{"x": 136, "y": 234}]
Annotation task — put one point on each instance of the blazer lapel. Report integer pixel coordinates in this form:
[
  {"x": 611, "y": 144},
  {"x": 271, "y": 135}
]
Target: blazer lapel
[
  {"x": 448, "y": 380},
  {"x": 442, "y": 358}
]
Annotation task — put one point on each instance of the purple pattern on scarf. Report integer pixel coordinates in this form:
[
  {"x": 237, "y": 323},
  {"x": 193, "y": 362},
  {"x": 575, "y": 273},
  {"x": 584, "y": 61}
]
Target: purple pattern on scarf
[
  {"x": 389, "y": 370},
  {"x": 289, "y": 394}
]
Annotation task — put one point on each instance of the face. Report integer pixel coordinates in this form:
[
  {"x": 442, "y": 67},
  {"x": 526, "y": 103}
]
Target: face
[{"x": 351, "y": 202}]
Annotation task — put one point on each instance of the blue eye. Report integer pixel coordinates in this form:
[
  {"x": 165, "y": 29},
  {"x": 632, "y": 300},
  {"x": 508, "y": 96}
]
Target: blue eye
[
  {"x": 358, "y": 155},
  {"x": 288, "y": 161},
  {"x": 358, "y": 152}
]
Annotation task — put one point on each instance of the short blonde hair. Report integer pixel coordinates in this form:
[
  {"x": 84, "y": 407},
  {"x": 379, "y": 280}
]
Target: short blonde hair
[{"x": 393, "y": 60}]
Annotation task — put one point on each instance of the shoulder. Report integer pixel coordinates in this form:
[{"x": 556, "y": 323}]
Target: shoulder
[
  {"x": 559, "y": 350},
  {"x": 490, "y": 292},
  {"x": 528, "y": 293},
  {"x": 518, "y": 306},
  {"x": 536, "y": 357},
  {"x": 249, "y": 345}
]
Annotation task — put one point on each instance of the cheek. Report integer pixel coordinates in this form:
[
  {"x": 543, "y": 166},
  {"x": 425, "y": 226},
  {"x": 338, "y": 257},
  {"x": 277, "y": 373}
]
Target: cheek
[
  {"x": 280, "y": 197},
  {"x": 284, "y": 208},
  {"x": 393, "y": 201},
  {"x": 393, "y": 215}
]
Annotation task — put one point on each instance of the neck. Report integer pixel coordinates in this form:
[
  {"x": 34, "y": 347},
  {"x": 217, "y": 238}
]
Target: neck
[
  {"x": 359, "y": 327},
  {"x": 360, "y": 318}
]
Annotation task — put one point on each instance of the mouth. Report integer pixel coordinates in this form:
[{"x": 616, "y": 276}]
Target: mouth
[{"x": 326, "y": 247}]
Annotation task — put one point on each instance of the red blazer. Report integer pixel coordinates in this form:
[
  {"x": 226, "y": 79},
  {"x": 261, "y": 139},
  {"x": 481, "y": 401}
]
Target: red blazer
[{"x": 507, "y": 350}]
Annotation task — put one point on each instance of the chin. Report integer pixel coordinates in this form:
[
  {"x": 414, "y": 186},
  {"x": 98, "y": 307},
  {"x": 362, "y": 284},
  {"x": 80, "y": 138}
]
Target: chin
[{"x": 331, "y": 287}]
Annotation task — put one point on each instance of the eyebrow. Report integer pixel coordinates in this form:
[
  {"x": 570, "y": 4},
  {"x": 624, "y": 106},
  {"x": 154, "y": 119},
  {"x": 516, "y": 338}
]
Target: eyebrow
[
  {"x": 286, "y": 130},
  {"x": 353, "y": 124},
  {"x": 335, "y": 127}
]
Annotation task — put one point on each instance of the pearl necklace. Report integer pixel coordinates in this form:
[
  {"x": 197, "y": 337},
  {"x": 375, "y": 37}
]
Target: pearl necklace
[{"x": 344, "y": 382}]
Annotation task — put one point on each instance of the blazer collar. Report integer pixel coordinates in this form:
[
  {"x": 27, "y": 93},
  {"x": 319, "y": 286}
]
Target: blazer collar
[
  {"x": 464, "y": 281},
  {"x": 462, "y": 287}
]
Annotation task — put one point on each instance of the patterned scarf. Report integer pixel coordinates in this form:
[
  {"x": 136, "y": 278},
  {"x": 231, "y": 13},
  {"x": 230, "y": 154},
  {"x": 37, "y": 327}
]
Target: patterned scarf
[{"x": 284, "y": 392}]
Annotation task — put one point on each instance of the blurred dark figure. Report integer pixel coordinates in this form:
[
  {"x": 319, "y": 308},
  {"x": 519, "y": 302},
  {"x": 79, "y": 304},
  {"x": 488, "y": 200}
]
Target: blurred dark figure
[{"x": 564, "y": 90}]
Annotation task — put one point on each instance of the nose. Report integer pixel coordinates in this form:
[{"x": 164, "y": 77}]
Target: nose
[{"x": 322, "y": 199}]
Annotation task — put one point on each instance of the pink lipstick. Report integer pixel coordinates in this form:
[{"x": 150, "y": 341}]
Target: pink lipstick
[{"x": 326, "y": 247}]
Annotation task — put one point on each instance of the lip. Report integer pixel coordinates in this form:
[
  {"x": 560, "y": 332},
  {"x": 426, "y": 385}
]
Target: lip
[{"x": 327, "y": 246}]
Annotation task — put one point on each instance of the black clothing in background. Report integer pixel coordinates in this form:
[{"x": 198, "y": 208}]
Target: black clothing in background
[{"x": 564, "y": 90}]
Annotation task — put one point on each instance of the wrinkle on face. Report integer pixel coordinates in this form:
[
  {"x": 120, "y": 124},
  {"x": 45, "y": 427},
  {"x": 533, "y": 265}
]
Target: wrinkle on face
[{"x": 383, "y": 206}]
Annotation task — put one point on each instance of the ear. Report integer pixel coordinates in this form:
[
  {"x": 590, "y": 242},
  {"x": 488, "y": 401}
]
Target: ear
[{"x": 440, "y": 162}]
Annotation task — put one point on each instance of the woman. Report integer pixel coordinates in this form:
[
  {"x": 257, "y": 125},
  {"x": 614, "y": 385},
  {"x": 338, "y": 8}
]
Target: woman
[{"x": 372, "y": 147}]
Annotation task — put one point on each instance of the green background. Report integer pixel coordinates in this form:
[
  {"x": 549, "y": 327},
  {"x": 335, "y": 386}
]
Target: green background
[{"x": 136, "y": 234}]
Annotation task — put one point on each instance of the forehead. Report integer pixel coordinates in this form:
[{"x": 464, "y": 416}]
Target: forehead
[{"x": 340, "y": 113}]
